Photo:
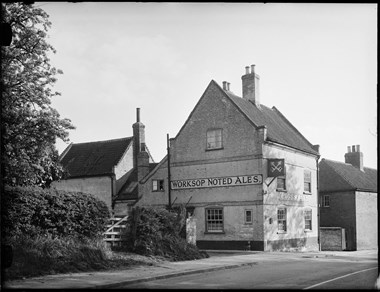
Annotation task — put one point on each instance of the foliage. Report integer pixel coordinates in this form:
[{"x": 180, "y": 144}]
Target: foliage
[
  {"x": 39, "y": 255},
  {"x": 29, "y": 126},
  {"x": 156, "y": 231},
  {"x": 35, "y": 211}
]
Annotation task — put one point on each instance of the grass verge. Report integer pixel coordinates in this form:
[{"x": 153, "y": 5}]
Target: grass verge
[{"x": 45, "y": 255}]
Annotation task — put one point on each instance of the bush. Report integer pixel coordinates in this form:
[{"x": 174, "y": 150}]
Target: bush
[
  {"x": 156, "y": 231},
  {"x": 40, "y": 255},
  {"x": 36, "y": 211}
]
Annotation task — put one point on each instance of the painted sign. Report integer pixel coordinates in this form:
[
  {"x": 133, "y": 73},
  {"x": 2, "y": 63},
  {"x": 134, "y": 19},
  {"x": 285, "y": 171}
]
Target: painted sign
[
  {"x": 217, "y": 182},
  {"x": 276, "y": 167}
]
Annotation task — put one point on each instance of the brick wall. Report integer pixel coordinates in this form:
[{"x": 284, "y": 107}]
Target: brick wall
[
  {"x": 341, "y": 213},
  {"x": 332, "y": 238}
]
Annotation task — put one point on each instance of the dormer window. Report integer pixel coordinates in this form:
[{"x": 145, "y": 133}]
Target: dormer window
[{"x": 214, "y": 139}]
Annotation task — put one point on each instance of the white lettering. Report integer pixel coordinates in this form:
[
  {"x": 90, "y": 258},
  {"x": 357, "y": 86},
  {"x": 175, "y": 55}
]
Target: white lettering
[{"x": 217, "y": 182}]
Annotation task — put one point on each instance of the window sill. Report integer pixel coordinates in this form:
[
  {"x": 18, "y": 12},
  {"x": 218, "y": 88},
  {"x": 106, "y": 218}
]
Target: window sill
[
  {"x": 248, "y": 223},
  {"x": 281, "y": 232},
  {"x": 281, "y": 190},
  {"x": 308, "y": 230},
  {"x": 213, "y": 149},
  {"x": 158, "y": 191},
  {"x": 210, "y": 232},
  {"x": 307, "y": 193}
]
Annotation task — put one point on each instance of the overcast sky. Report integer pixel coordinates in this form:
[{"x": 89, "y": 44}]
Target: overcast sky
[{"x": 317, "y": 65}]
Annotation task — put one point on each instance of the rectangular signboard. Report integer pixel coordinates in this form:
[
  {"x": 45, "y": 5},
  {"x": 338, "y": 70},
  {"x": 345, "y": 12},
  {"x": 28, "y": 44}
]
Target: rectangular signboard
[
  {"x": 214, "y": 182},
  {"x": 276, "y": 167}
]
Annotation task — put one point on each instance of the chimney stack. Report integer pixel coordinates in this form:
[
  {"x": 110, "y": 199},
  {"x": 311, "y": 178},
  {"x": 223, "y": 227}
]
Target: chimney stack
[
  {"x": 251, "y": 85},
  {"x": 138, "y": 137},
  {"x": 354, "y": 157}
]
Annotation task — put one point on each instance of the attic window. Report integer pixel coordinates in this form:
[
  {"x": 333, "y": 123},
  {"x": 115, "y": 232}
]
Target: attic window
[
  {"x": 158, "y": 185},
  {"x": 214, "y": 139}
]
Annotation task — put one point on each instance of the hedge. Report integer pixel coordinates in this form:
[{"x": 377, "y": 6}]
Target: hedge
[
  {"x": 157, "y": 231},
  {"x": 35, "y": 211}
]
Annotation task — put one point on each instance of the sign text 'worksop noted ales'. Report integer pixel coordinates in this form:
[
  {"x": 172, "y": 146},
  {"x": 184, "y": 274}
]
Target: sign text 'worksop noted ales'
[{"x": 217, "y": 182}]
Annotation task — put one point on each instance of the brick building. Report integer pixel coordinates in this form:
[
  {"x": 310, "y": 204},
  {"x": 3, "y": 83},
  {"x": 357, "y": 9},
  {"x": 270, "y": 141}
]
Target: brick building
[
  {"x": 348, "y": 196},
  {"x": 108, "y": 169},
  {"x": 247, "y": 176}
]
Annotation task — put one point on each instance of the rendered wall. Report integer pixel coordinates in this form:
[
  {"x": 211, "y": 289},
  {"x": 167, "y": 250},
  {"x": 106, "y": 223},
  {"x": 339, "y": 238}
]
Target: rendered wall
[
  {"x": 100, "y": 187},
  {"x": 294, "y": 199},
  {"x": 125, "y": 164},
  {"x": 366, "y": 220}
]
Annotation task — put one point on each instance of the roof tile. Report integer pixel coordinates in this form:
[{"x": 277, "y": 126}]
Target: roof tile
[
  {"x": 94, "y": 158},
  {"x": 339, "y": 176}
]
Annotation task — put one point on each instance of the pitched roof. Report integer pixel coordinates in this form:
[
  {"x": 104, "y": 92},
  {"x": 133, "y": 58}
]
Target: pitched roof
[
  {"x": 279, "y": 129},
  {"x": 339, "y": 176},
  {"x": 94, "y": 158}
]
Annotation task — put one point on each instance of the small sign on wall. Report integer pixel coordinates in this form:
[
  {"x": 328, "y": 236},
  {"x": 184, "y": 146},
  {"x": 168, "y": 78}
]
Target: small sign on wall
[{"x": 276, "y": 167}]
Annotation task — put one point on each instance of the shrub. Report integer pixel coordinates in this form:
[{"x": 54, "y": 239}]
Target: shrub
[
  {"x": 39, "y": 255},
  {"x": 36, "y": 211},
  {"x": 156, "y": 231}
]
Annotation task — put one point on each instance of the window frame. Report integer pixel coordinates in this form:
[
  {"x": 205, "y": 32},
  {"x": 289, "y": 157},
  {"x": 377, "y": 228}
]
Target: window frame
[
  {"x": 160, "y": 183},
  {"x": 208, "y": 137},
  {"x": 324, "y": 201},
  {"x": 307, "y": 181},
  {"x": 248, "y": 222},
  {"x": 282, "y": 177},
  {"x": 208, "y": 228},
  {"x": 307, "y": 212},
  {"x": 284, "y": 229}
]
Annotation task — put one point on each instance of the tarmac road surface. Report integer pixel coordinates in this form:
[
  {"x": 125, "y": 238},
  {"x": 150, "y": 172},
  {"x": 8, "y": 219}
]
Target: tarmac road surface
[{"x": 306, "y": 272}]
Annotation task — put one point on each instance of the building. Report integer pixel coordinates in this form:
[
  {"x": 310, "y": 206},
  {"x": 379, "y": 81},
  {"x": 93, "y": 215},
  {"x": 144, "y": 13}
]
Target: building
[
  {"x": 108, "y": 169},
  {"x": 247, "y": 176},
  {"x": 348, "y": 196}
]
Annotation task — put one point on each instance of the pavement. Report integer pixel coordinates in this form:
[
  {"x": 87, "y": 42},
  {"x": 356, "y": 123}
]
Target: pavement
[{"x": 218, "y": 260}]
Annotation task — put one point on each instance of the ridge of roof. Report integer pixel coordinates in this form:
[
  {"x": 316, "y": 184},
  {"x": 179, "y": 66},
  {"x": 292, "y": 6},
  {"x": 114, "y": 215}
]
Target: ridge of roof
[
  {"x": 353, "y": 178},
  {"x": 95, "y": 158},
  {"x": 267, "y": 119},
  {"x": 104, "y": 141}
]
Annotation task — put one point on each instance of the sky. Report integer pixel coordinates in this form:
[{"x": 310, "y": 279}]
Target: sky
[{"x": 317, "y": 65}]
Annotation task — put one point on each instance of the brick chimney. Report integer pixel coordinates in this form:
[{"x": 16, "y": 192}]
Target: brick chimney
[
  {"x": 138, "y": 137},
  {"x": 354, "y": 156},
  {"x": 251, "y": 85},
  {"x": 140, "y": 156}
]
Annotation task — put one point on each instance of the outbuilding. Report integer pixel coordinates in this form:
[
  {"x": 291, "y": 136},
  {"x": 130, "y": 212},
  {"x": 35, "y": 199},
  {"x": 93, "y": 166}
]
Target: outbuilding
[{"x": 348, "y": 196}]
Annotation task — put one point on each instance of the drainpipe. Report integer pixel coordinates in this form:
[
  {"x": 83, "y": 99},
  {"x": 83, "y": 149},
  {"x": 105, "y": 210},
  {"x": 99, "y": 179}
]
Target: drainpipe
[
  {"x": 169, "y": 178},
  {"x": 318, "y": 206}
]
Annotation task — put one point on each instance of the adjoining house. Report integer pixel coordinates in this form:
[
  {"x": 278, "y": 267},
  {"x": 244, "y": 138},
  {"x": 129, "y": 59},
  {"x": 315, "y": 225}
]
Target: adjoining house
[
  {"x": 247, "y": 176},
  {"x": 109, "y": 169},
  {"x": 348, "y": 196}
]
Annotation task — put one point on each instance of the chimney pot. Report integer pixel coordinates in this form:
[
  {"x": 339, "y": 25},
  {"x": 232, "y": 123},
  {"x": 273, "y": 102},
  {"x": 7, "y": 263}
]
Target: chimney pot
[
  {"x": 247, "y": 70},
  {"x": 353, "y": 148},
  {"x": 252, "y": 69},
  {"x": 137, "y": 114},
  {"x": 348, "y": 149},
  {"x": 225, "y": 85},
  {"x": 357, "y": 148},
  {"x": 228, "y": 86}
]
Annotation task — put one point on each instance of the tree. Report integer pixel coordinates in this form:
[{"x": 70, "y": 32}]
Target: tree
[{"x": 30, "y": 126}]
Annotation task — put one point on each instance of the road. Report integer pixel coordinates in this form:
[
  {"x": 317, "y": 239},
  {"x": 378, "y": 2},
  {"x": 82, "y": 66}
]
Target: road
[{"x": 301, "y": 272}]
